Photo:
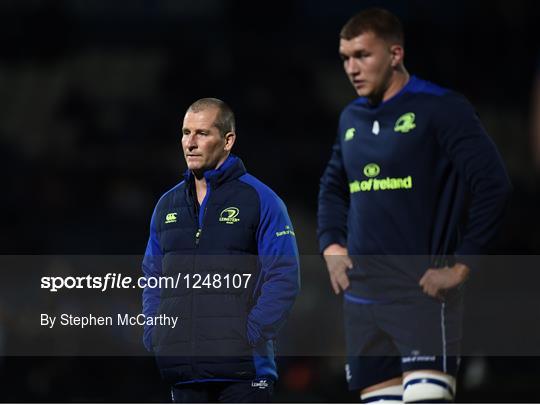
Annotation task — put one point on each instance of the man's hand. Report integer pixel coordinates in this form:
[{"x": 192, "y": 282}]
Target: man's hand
[
  {"x": 436, "y": 281},
  {"x": 338, "y": 262}
]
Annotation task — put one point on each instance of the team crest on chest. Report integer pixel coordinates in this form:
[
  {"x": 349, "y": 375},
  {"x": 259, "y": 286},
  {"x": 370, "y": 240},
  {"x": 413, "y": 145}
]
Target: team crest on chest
[
  {"x": 405, "y": 123},
  {"x": 229, "y": 215}
]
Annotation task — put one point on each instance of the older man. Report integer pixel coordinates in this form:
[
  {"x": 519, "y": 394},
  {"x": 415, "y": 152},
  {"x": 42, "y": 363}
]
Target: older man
[{"x": 229, "y": 241}]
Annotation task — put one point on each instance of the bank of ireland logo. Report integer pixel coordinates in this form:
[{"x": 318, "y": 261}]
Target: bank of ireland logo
[
  {"x": 349, "y": 134},
  {"x": 372, "y": 183},
  {"x": 372, "y": 170},
  {"x": 170, "y": 217},
  {"x": 405, "y": 123},
  {"x": 286, "y": 231},
  {"x": 229, "y": 215}
]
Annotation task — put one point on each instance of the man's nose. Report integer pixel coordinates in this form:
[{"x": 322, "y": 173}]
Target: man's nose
[
  {"x": 351, "y": 67},
  {"x": 191, "y": 142}
]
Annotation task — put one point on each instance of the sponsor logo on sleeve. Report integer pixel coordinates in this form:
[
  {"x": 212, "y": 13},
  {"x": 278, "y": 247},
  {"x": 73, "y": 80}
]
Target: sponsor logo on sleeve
[{"x": 287, "y": 231}]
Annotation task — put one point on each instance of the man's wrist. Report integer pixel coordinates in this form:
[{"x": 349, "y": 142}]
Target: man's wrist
[
  {"x": 461, "y": 271},
  {"x": 335, "y": 249}
]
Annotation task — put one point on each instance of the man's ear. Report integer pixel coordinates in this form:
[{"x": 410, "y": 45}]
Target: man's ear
[
  {"x": 397, "y": 54},
  {"x": 230, "y": 137}
]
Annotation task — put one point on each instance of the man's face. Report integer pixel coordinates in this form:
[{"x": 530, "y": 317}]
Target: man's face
[
  {"x": 367, "y": 60},
  {"x": 204, "y": 147}
]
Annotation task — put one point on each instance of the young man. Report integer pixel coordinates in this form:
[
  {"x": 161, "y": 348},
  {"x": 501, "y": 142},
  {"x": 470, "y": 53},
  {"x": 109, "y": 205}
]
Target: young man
[
  {"x": 227, "y": 240},
  {"x": 413, "y": 188}
]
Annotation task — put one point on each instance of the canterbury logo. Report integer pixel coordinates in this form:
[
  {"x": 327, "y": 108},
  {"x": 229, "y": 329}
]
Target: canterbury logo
[
  {"x": 229, "y": 215},
  {"x": 170, "y": 217},
  {"x": 349, "y": 134}
]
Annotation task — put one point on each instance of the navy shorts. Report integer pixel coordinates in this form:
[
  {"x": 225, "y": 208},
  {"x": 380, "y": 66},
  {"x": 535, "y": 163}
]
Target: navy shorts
[{"x": 384, "y": 340}]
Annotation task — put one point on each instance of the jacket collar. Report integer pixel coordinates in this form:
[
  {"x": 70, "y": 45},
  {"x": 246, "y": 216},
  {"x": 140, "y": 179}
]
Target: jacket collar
[{"x": 231, "y": 169}]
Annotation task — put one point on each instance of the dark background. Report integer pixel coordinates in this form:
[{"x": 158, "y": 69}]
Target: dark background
[{"x": 92, "y": 95}]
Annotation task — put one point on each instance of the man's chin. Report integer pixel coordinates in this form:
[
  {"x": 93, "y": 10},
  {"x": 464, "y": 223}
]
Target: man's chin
[
  {"x": 362, "y": 92},
  {"x": 193, "y": 165}
]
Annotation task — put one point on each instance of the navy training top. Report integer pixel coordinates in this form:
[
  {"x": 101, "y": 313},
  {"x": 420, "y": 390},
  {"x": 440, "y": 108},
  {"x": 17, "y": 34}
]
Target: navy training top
[{"x": 414, "y": 175}]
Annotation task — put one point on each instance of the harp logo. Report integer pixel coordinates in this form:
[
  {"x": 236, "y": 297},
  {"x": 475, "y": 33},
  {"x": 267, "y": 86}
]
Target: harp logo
[
  {"x": 349, "y": 134},
  {"x": 372, "y": 170}
]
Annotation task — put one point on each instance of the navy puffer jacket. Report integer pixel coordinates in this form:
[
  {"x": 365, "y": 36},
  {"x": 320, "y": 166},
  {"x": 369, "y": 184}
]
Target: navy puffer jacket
[{"x": 235, "y": 261}]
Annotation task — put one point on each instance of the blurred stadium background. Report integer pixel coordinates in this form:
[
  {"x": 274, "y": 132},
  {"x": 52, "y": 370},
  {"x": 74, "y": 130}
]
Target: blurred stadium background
[{"x": 92, "y": 95}]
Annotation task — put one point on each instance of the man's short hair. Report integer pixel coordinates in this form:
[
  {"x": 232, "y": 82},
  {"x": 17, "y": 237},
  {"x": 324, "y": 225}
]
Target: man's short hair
[
  {"x": 381, "y": 22},
  {"x": 225, "y": 121}
]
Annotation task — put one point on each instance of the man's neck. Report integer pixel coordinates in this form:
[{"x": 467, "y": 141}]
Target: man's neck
[
  {"x": 400, "y": 77},
  {"x": 200, "y": 180}
]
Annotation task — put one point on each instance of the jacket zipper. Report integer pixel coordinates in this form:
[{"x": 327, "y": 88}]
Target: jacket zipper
[{"x": 201, "y": 213}]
